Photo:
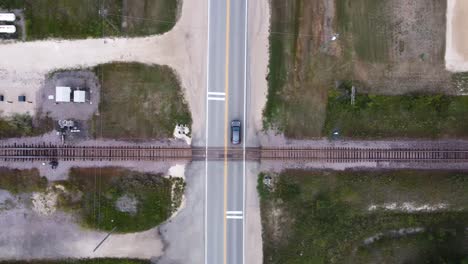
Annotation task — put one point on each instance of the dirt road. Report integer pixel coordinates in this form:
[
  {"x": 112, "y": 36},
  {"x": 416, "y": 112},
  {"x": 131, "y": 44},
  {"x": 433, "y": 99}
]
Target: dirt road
[{"x": 456, "y": 55}]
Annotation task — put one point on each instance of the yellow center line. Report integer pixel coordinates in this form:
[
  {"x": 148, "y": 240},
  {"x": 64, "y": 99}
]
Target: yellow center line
[{"x": 226, "y": 86}]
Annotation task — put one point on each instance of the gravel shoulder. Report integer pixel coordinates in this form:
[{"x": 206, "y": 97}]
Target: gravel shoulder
[
  {"x": 183, "y": 235},
  {"x": 258, "y": 31},
  {"x": 253, "y": 224}
]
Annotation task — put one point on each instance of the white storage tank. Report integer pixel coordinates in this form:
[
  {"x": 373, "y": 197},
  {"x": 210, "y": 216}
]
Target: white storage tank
[
  {"x": 7, "y": 29},
  {"x": 10, "y": 17}
]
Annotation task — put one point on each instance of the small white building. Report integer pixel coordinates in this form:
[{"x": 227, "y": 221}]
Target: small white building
[
  {"x": 9, "y": 17},
  {"x": 79, "y": 96},
  {"x": 7, "y": 29},
  {"x": 62, "y": 94}
]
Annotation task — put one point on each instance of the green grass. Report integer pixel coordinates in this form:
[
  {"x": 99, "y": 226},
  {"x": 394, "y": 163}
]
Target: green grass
[
  {"x": 80, "y": 261},
  {"x": 22, "y": 125},
  {"x": 101, "y": 187},
  {"x": 22, "y": 181},
  {"x": 71, "y": 19},
  {"x": 438, "y": 245},
  {"x": 412, "y": 116},
  {"x": 325, "y": 219},
  {"x": 282, "y": 48},
  {"x": 149, "y": 17},
  {"x": 139, "y": 102}
]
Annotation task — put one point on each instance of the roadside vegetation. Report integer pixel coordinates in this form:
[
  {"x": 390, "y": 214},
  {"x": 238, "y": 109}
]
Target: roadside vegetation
[
  {"x": 299, "y": 72},
  {"x": 147, "y": 198},
  {"x": 139, "y": 102},
  {"x": 23, "y": 125},
  {"x": 392, "y": 50},
  {"x": 21, "y": 181},
  {"x": 70, "y": 19},
  {"x": 105, "y": 199},
  {"x": 80, "y": 261},
  {"x": 365, "y": 217},
  {"x": 381, "y": 116}
]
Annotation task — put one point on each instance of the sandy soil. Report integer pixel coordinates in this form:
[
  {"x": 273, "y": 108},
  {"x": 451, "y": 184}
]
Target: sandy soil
[
  {"x": 456, "y": 54},
  {"x": 253, "y": 224},
  {"x": 258, "y": 31},
  {"x": 183, "y": 48},
  {"x": 23, "y": 230}
]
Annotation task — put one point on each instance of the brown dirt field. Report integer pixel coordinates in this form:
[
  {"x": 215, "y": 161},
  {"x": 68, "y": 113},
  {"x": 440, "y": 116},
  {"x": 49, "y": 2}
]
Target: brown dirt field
[{"x": 416, "y": 48}]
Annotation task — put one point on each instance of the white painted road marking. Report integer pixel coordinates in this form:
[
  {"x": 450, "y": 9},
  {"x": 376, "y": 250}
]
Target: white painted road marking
[
  {"x": 217, "y": 93},
  {"x": 216, "y": 98},
  {"x": 234, "y": 217},
  {"x": 206, "y": 134},
  {"x": 234, "y": 212},
  {"x": 246, "y": 21}
]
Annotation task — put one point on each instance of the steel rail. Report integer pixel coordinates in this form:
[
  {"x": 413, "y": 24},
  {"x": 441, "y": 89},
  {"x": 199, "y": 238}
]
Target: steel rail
[{"x": 19, "y": 152}]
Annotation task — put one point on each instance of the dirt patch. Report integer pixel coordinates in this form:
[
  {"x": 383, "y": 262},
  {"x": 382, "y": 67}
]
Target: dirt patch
[
  {"x": 405, "y": 53},
  {"x": 127, "y": 204}
]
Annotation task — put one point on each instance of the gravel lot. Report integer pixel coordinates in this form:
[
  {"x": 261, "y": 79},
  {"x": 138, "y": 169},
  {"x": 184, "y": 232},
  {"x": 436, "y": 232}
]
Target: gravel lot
[{"x": 86, "y": 80}]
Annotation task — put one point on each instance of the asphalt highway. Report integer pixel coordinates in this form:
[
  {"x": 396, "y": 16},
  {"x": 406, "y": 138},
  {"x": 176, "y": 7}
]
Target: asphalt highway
[{"x": 225, "y": 101}]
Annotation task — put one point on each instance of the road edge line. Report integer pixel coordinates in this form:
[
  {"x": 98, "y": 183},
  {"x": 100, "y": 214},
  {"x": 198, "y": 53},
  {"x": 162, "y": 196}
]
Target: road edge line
[
  {"x": 245, "y": 125},
  {"x": 226, "y": 111},
  {"x": 206, "y": 130}
]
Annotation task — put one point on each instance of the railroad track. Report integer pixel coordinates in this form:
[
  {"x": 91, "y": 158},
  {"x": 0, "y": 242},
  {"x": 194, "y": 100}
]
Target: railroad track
[
  {"x": 48, "y": 152},
  {"x": 24, "y": 152},
  {"x": 366, "y": 154}
]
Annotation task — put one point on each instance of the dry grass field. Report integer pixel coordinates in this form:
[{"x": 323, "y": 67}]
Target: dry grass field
[{"x": 385, "y": 48}]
